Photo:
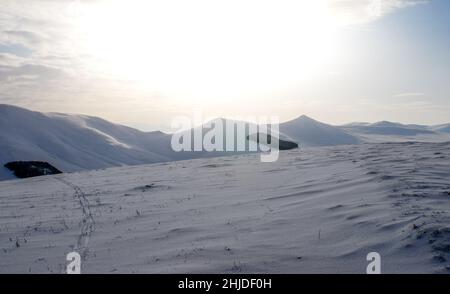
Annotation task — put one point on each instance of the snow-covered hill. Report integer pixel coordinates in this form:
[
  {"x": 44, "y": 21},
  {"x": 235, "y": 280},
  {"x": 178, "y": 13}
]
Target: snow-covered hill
[
  {"x": 76, "y": 142},
  {"x": 309, "y": 132},
  {"x": 316, "y": 210}
]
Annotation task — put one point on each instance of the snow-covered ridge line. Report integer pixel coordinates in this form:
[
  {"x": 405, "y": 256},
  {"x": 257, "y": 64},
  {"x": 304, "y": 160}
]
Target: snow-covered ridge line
[{"x": 78, "y": 142}]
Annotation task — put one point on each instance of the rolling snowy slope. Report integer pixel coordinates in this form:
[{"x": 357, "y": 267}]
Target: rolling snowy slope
[{"x": 315, "y": 210}]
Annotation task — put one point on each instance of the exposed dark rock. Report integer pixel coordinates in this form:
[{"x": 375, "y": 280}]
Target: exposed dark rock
[
  {"x": 27, "y": 169},
  {"x": 282, "y": 144}
]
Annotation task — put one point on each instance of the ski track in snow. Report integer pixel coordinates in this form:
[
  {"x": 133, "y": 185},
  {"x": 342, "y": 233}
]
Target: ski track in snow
[
  {"x": 87, "y": 221},
  {"x": 315, "y": 210}
]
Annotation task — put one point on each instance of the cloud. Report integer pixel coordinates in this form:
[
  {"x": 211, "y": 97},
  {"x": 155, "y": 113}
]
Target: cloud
[
  {"x": 412, "y": 94},
  {"x": 8, "y": 59},
  {"x": 21, "y": 37},
  {"x": 349, "y": 12},
  {"x": 42, "y": 28},
  {"x": 8, "y": 73},
  {"x": 61, "y": 68}
]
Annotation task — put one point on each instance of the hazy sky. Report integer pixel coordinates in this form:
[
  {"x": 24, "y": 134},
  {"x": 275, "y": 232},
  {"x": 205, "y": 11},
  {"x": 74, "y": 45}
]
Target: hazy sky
[{"x": 141, "y": 63}]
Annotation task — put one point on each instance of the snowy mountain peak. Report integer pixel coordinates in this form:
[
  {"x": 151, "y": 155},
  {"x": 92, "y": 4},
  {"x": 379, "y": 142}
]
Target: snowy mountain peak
[
  {"x": 303, "y": 118},
  {"x": 309, "y": 132}
]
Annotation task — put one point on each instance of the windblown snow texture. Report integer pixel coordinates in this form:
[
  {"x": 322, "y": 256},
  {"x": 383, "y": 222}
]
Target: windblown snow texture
[{"x": 315, "y": 210}]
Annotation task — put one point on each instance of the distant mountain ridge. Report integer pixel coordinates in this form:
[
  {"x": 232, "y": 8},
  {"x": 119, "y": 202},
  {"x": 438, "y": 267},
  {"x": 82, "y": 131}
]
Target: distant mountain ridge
[
  {"x": 389, "y": 128},
  {"x": 73, "y": 142}
]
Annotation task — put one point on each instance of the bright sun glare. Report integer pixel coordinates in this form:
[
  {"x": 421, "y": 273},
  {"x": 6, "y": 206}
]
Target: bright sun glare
[{"x": 203, "y": 47}]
